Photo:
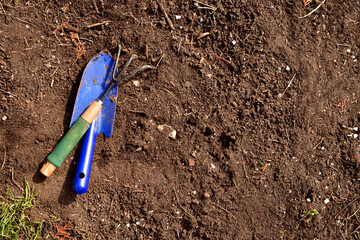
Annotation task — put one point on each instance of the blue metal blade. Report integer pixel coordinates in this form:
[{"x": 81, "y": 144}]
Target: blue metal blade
[{"x": 95, "y": 79}]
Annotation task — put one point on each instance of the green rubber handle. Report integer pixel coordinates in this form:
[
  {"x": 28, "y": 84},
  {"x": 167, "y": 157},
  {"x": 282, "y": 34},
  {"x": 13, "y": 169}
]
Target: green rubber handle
[{"x": 68, "y": 142}]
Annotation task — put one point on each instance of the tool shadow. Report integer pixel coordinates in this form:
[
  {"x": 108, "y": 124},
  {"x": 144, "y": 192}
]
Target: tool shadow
[{"x": 66, "y": 196}]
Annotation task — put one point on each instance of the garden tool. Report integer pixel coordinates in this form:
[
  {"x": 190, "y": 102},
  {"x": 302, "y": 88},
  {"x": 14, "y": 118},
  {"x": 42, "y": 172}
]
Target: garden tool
[
  {"x": 93, "y": 84},
  {"x": 82, "y": 123}
]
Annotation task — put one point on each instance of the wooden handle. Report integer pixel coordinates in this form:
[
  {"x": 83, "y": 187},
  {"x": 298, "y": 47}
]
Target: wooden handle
[
  {"x": 48, "y": 169},
  {"x": 90, "y": 114}
]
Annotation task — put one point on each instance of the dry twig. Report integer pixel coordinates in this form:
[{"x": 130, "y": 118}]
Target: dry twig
[
  {"x": 343, "y": 209},
  {"x": 166, "y": 15},
  {"x": 177, "y": 199},
  {"x": 227, "y": 211},
  {"x": 13, "y": 180},
  {"x": 3, "y": 164},
  {"x": 313, "y": 10},
  {"x": 95, "y": 5},
  {"x": 98, "y": 24},
  {"x": 160, "y": 60}
]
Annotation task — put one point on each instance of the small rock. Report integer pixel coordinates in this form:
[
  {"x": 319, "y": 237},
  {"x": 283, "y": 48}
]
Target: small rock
[
  {"x": 207, "y": 195},
  {"x": 191, "y": 162},
  {"x": 177, "y": 17},
  {"x": 193, "y": 153},
  {"x": 172, "y": 134},
  {"x": 41, "y": 138},
  {"x": 326, "y": 201},
  {"x": 4, "y": 118},
  {"x": 160, "y": 128},
  {"x": 212, "y": 165},
  {"x": 233, "y": 42},
  {"x": 136, "y": 83},
  {"x": 287, "y": 68}
]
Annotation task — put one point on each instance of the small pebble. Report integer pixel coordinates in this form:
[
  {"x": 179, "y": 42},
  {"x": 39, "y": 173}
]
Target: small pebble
[
  {"x": 136, "y": 83},
  {"x": 172, "y": 134},
  {"x": 128, "y": 225},
  {"x": 137, "y": 223},
  {"x": 355, "y": 135},
  {"x": 191, "y": 162},
  {"x": 4, "y": 118},
  {"x": 287, "y": 68},
  {"x": 177, "y": 17},
  {"x": 348, "y": 50},
  {"x": 212, "y": 165},
  {"x": 308, "y": 200},
  {"x": 233, "y": 42},
  {"x": 160, "y": 128},
  {"x": 355, "y": 128},
  {"x": 326, "y": 201}
]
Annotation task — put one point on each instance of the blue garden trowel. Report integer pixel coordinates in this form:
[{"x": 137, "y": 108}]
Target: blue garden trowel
[
  {"x": 97, "y": 76},
  {"x": 94, "y": 113}
]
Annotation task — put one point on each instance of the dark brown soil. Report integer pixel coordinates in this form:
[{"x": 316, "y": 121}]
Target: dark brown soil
[{"x": 252, "y": 152}]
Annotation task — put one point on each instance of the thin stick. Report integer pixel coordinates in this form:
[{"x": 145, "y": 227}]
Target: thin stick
[
  {"x": 313, "y": 10},
  {"x": 98, "y": 24},
  {"x": 166, "y": 15},
  {"x": 225, "y": 211},
  {"x": 159, "y": 60},
  {"x": 8, "y": 92},
  {"x": 207, "y": 5},
  {"x": 18, "y": 19},
  {"x": 26, "y": 42},
  {"x": 336, "y": 215},
  {"x": 322, "y": 139},
  {"x": 179, "y": 45},
  {"x": 281, "y": 94},
  {"x": 13, "y": 180},
  {"x": 2, "y": 7},
  {"x": 39, "y": 94},
  {"x": 246, "y": 176},
  {"x": 52, "y": 80},
  {"x": 3, "y": 164},
  {"x": 96, "y": 8},
  {"x": 177, "y": 199}
]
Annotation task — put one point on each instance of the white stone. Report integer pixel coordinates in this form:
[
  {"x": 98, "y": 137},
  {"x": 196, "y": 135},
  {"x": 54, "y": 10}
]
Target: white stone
[
  {"x": 172, "y": 134},
  {"x": 136, "y": 83}
]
